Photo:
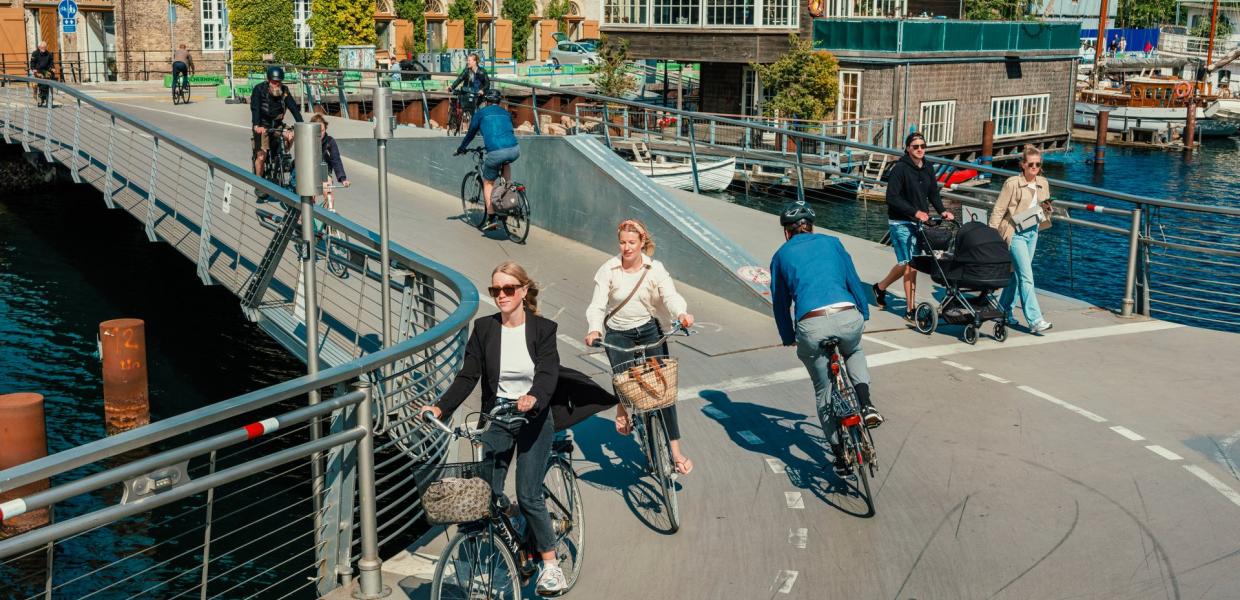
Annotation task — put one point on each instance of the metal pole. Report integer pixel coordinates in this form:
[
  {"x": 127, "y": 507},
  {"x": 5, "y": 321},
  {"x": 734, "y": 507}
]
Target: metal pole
[
  {"x": 370, "y": 577},
  {"x": 206, "y": 535},
  {"x": 1100, "y": 47},
  {"x": 800, "y": 172},
  {"x": 606, "y": 125},
  {"x": 382, "y": 109},
  {"x": 307, "y": 153},
  {"x": 1130, "y": 279},
  {"x": 697, "y": 189},
  {"x": 534, "y": 104}
]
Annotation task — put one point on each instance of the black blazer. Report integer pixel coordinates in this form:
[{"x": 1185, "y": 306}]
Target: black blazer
[{"x": 482, "y": 361}]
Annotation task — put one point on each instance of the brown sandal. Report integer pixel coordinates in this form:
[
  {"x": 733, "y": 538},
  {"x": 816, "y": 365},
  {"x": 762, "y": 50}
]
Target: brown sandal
[{"x": 684, "y": 466}]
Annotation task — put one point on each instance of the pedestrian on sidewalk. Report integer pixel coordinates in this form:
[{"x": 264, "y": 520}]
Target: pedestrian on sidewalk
[
  {"x": 1016, "y": 215},
  {"x": 911, "y": 188},
  {"x": 632, "y": 293}
]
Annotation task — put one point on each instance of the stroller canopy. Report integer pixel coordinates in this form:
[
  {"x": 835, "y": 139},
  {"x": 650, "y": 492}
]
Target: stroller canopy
[{"x": 977, "y": 243}]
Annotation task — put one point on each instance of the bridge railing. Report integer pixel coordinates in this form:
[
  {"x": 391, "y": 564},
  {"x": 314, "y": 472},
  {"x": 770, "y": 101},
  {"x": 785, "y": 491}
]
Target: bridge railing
[{"x": 167, "y": 516}]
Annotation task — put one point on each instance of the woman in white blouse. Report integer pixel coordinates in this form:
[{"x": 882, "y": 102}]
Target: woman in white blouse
[{"x": 631, "y": 292}]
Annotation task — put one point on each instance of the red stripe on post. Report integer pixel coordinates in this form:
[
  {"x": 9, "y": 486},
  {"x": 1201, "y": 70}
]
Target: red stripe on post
[{"x": 254, "y": 430}]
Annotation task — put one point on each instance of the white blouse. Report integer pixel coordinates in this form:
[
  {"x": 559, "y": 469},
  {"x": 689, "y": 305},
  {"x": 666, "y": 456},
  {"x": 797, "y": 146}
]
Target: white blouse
[
  {"x": 657, "y": 298},
  {"x": 516, "y": 368}
]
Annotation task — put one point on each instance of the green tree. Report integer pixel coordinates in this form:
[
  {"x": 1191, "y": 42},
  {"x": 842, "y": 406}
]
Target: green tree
[
  {"x": 466, "y": 10},
  {"x": 337, "y": 23},
  {"x": 262, "y": 27},
  {"x": 1145, "y": 13},
  {"x": 557, "y": 10},
  {"x": 519, "y": 11},
  {"x": 996, "y": 10},
  {"x": 414, "y": 11},
  {"x": 804, "y": 83},
  {"x": 1221, "y": 32},
  {"x": 611, "y": 77}
]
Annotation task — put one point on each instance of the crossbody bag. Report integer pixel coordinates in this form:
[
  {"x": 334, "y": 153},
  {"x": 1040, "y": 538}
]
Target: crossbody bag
[
  {"x": 640, "y": 281},
  {"x": 1033, "y": 216}
]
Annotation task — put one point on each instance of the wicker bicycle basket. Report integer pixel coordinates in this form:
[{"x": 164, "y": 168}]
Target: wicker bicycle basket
[
  {"x": 646, "y": 384},
  {"x": 458, "y": 493}
]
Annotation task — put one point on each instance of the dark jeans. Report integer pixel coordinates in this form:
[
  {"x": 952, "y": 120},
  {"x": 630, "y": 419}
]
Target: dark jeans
[
  {"x": 532, "y": 442},
  {"x": 640, "y": 336},
  {"x": 180, "y": 68}
]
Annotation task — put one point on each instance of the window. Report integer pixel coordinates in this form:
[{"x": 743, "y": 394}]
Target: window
[
  {"x": 301, "y": 27},
  {"x": 780, "y": 13},
  {"x": 214, "y": 31},
  {"x": 729, "y": 12},
  {"x": 938, "y": 120},
  {"x": 676, "y": 12},
  {"x": 1019, "y": 115},
  {"x": 624, "y": 12},
  {"x": 753, "y": 94}
]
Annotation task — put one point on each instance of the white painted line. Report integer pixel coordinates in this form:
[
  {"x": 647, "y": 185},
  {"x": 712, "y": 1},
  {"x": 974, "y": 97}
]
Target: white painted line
[
  {"x": 714, "y": 413},
  {"x": 995, "y": 378},
  {"x": 776, "y": 465},
  {"x": 181, "y": 115},
  {"x": 599, "y": 357},
  {"x": 1222, "y": 488},
  {"x": 957, "y": 365},
  {"x": 1163, "y": 452},
  {"x": 883, "y": 342},
  {"x": 750, "y": 437},
  {"x": 1128, "y": 433},
  {"x": 747, "y": 383},
  {"x": 798, "y": 537},
  {"x": 789, "y": 577},
  {"x": 794, "y": 500},
  {"x": 1068, "y": 405}
]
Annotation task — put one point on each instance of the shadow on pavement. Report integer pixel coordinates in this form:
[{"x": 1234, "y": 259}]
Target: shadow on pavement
[{"x": 623, "y": 471}]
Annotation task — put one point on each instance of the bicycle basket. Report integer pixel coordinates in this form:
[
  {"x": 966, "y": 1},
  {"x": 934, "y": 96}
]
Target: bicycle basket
[
  {"x": 647, "y": 384},
  {"x": 458, "y": 493}
]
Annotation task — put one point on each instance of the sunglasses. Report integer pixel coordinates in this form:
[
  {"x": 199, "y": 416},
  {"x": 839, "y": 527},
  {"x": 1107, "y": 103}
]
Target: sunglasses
[
  {"x": 507, "y": 290},
  {"x": 1034, "y": 165},
  {"x": 917, "y": 146}
]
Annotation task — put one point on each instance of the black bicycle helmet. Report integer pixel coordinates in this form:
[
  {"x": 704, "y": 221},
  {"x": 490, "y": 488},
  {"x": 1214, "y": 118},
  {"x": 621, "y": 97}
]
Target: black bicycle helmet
[
  {"x": 795, "y": 212},
  {"x": 275, "y": 74},
  {"x": 493, "y": 96}
]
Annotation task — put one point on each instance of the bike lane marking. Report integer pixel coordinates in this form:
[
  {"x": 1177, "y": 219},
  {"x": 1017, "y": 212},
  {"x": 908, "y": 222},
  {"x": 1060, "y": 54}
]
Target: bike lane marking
[
  {"x": 586, "y": 351},
  {"x": 957, "y": 365},
  {"x": 1163, "y": 452},
  {"x": 994, "y": 378},
  {"x": 1095, "y": 417},
  {"x": 789, "y": 578},
  {"x": 798, "y": 537},
  {"x": 777, "y": 466},
  {"x": 1128, "y": 433},
  {"x": 794, "y": 500},
  {"x": 1213, "y": 482}
]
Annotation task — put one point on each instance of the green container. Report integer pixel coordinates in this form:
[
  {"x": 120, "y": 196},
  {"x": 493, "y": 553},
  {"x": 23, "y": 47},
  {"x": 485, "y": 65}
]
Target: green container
[{"x": 196, "y": 80}]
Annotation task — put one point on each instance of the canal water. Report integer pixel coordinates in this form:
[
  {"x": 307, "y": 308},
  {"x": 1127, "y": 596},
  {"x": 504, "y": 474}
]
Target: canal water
[
  {"x": 66, "y": 264},
  {"x": 1076, "y": 261}
]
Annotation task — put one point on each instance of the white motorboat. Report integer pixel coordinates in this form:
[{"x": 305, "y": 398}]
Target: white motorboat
[{"x": 713, "y": 176}]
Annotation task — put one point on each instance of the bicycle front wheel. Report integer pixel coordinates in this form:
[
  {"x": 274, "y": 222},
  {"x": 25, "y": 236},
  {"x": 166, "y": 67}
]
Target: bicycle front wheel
[
  {"x": 476, "y": 566},
  {"x": 564, "y": 504},
  {"x": 473, "y": 209},
  {"x": 664, "y": 469},
  {"x": 517, "y": 221}
]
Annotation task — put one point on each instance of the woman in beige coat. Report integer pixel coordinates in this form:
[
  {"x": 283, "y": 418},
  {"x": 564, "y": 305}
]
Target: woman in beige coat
[{"x": 1017, "y": 222}]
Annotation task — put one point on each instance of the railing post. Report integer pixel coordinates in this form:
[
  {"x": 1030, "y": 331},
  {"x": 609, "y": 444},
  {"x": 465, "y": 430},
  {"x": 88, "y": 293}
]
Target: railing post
[
  {"x": 47, "y": 126},
  {"x": 534, "y": 105},
  {"x": 370, "y": 578},
  {"x": 150, "y": 191},
  {"x": 77, "y": 128},
  {"x": 107, "y": 175},
  {"x": 606, "y": 125},
  {"x": 712, "y": 132},
  {"x": 693, "y": 162},
  {"x": 1144, "y": 308},
  {"x": 344, "y": 99},
  {"x": 1130, "y": 278},
  {"x": 206, "y": 534},
  {"x": 800, "y": 171}
]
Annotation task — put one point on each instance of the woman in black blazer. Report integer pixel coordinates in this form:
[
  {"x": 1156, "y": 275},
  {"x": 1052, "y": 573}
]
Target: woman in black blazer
[{"x": 514, "y": 353}]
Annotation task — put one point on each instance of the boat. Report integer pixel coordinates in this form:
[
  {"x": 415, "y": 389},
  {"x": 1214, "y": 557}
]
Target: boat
[
  {"x": 713, "y": 176},
  {"x": 1152, "y": 103},
  {"x": 1228, "y": 109}
]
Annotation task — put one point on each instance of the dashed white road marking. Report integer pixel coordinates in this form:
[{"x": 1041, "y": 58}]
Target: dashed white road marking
[
  {"x": 794, "y": 500},
  {"x": 957, "y": 365},
  {"x": 798, "y": 537},
  {"x": 715, "y": 413},
  {"x": 883, "y": 343},
  {"x": 1163, "y": 452},
  {"x": 789, "y": 578},
  {"x": 1128, "y": 433},
  {"x": 1068, "y": 405},
  {"x": 1213, "y": 481},
  {"x": 777, "y": 466},
  {"x": 750, "y": 437},
  {"x": 994, "y": 378},
  {"x": 599, "y": 357}
]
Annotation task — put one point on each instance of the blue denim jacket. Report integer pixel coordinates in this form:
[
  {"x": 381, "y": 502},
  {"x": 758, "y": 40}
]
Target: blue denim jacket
[
  {"x": 812, "y": 270},
  {"x": 496, "y": 126}
]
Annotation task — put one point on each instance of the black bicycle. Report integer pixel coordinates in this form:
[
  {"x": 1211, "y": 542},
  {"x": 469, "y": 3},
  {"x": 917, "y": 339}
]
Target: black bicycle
[
  {"x": 460, "y": 110},
  {"x": 278, "y": 164},
  {"x": 180, "y": 90},
  {"x": 850, "y": 430},
  {"x": 43, "y": 91},
  {"x": 492, "y": 558},
  {"x": 474, "y": 208}
]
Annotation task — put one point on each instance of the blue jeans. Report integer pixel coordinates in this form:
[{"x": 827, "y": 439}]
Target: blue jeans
[
  {"x": 810, "y": 333},
  {"x": 180, "y": 68},
  {"x": 903, "y": 240},
  {"x": 1024, "y": 244},
  {"x": 532, "y": 442},
  {"x": 493, "y": 162}
]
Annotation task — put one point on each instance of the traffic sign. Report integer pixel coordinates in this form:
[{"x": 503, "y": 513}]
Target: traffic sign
[
  {"x": 68, "y": 25},
  {"x": 68, "y": 9}
]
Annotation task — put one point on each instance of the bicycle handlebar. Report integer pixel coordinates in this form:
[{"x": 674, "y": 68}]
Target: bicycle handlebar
[
  {"x": 504, "y": 410},
  {"x": 677, "y": 329}
]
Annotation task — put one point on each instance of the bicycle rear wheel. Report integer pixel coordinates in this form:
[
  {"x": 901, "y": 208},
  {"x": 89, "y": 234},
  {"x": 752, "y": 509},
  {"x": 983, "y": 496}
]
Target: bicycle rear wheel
[
  {"x": 564, "y": 505},
  {"x": 860, "y": 464},
  {"x": 517, "y": 221},
  {"x": 473, "y": 209},
  {"x": 475, "y": 566},
  {"x": 664, "y": 469}
]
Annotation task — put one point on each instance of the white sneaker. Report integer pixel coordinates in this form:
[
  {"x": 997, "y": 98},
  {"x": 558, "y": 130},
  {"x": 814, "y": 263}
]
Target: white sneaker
[
  {"x": 1041, "y": 326},
  {"x": 550, "y": 580}
]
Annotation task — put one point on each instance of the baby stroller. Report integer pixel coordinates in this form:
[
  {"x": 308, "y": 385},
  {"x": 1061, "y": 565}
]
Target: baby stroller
[{"x": 963, "y": 258}]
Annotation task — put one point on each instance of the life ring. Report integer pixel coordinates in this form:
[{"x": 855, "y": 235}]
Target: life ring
[
  {"x": 815, "y": 7},
  {"x": 1182, "y": 90}
]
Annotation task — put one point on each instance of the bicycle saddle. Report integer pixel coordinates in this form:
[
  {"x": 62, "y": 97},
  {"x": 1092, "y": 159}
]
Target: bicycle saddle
[{"x": 829, "y": 343}]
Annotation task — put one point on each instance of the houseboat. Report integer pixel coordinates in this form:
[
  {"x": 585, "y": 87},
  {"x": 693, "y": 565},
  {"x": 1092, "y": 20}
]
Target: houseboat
[{"x": 1153, "y": 103}]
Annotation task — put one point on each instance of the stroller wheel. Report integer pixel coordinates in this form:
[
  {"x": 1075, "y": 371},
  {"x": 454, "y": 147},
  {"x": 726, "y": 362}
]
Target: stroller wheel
[
  {"x": 970, "y": 334},
  {"x": 926, "y": 318},
  {"x": 1000, "y": 331}
]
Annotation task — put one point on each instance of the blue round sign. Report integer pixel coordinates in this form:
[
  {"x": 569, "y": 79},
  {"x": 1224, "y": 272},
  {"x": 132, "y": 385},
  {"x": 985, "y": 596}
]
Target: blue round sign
[{"x": 68, "y": 9}]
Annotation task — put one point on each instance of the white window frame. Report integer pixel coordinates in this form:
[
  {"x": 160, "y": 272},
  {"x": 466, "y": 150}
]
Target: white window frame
[
  {"x": 778, "y": 13},
  {"x": 938, "y": 122},
  {"x": 301, "y": 24},
  {"x": 786, "y": 14},
  {"x": 842, "y": 115},
  {"x": 729, "y": 8},
  {"x": 1016, "y": 116},
  {"x": 211, "y": 17}
]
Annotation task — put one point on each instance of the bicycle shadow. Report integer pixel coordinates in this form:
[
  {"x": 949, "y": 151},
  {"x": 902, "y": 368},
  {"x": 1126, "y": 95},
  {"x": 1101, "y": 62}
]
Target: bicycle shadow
[
  {"x": 621, "y": 469},
  {"x": 776, "y": 433}
]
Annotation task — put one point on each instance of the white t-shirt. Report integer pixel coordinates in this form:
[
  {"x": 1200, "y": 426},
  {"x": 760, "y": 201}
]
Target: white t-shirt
[{"x": 516, "y": 368}]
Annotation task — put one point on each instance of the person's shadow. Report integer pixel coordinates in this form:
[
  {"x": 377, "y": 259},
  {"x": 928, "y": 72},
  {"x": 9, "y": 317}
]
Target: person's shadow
[
  {"x": 620, "y": 466},
  {"x": 775, "y": 433}
]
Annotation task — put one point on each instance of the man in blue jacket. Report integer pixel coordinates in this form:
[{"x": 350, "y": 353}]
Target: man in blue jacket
[
  {"x": 495, "y": 124},
  {"x": 813, "y": 274}
]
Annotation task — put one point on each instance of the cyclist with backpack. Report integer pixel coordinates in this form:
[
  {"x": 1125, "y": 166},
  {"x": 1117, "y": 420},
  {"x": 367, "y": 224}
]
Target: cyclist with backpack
[
  {"x": 495, "y": 124},
  {"x": 268, "y": 103}
]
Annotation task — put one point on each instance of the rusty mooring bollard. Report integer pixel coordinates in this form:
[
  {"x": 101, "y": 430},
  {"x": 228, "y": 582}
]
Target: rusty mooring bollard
[
  {"x": 23, "y": 438},
  {"x": 125, "y": 402}
]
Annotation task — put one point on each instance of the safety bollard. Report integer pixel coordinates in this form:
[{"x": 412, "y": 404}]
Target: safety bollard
[
  {"x": 126, "y": 404},
  {"x": 23, "y": 438}
]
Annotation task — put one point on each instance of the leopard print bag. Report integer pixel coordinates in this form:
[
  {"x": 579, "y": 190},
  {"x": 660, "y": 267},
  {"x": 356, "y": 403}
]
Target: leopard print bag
[{"x": 457, "y": 500}]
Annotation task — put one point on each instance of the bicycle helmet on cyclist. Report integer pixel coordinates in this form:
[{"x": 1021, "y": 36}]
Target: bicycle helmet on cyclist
[
  {"x": 795, "y": 212},
  {"x": 493, "y": 96},
  {"x": 275, "y": 74}
]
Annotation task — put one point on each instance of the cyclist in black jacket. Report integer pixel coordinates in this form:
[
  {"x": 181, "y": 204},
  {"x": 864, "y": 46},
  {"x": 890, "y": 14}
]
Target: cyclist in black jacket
[
  {"x": 267, "y": 106},
  {"x": 475, "y": 81}
]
